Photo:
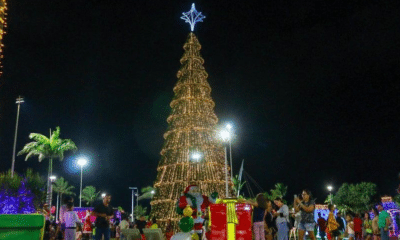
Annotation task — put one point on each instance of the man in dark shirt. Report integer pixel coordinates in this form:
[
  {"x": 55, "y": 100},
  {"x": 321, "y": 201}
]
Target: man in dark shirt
[
  {"x": 103, "y": 213},
  {"x": 339, "y": 220},
  {"x": 140, "y": 224}
]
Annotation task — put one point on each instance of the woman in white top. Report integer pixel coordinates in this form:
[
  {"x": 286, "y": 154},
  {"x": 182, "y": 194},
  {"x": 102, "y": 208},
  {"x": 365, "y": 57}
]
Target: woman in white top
[
  {"x": 71, "y": 219},
  {"x": 282, "y": 219}
]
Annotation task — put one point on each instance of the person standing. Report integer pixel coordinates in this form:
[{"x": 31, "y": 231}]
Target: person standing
[
  {"x": 71, "y": 219},
  {"x": 367, "y": 225},
  {"x": 384, "y": 221},
  {"x": 357, "y": 227},
  {"x": 282, "y": 219},
  {"x": 333, "y": 225},
  {"x": 269, "y": 222},
  {"x": 103, "y": 213},
  {"x": 350, "y": 227},
  {"x": 375, "y": 226},
  {"x": 259, "y": 212},
  {"x": 322, "y": 226},
  {"x": 306, "y": 207}
]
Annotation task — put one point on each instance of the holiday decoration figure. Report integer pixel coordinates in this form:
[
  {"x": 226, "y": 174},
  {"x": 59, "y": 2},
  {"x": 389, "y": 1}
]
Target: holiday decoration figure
[{"x": 198, "y": 205}]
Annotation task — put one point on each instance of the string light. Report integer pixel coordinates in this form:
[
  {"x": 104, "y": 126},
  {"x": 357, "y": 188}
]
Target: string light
[
  {"x": 192, "y": 128},
  {"x": 3, "y": 25}
]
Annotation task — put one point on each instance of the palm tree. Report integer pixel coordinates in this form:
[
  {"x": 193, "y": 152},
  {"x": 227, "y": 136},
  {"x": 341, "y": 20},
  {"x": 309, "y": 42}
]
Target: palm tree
[
  {"x": 61, "y": 188},
  {"x": 89, "y": 194},
  {"x": 140, "y": 211},
  {"x": 44, "y": 147},
  {"x": 147, "y": 193},
  {"x": 237, "y": 185}
]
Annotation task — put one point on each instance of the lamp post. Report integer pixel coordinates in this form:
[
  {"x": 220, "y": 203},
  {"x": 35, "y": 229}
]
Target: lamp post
[
  {"x": 330, "y": 188},
  {"x": 134, "y": 191},
  {"x": 229, "y": 127},
  {"x": 18, "y": 102},
  {"x": 52, "y": 178},
  {"x": 225, "y": 136},
  {"x": 81, "y": 162}
]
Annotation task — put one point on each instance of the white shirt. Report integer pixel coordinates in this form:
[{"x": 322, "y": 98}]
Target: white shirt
[
  {"x": 71, "y": 218},
  {"x": 124, "y": 224},
  {"x": 285, "y": 212}
]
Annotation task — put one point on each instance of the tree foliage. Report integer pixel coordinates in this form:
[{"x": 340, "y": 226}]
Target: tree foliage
[
  {"x": 280, "y": 191},
  {"x": 147, "y": 193},
  {"x": 140, "y": 211},
  {"x": 355, "y": 197},
  {"x": 237, "y": 185},
  {"x": 19, "y": 189},
  {"x": 61, "y": 186},
  {"x": 47, "y": 147},
  {"x": 89, "y": 194}
]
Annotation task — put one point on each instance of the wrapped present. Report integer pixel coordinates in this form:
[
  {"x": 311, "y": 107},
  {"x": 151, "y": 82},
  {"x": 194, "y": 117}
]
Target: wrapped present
[{"x": 230, "y": 220}]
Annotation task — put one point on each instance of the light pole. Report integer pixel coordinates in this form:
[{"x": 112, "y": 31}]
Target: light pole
[
  {"x": 134, "y": 190},
  {"x": 18, "y": 102},
  {"x": 225, "y": 136},
  {"x": 229, "y": 127},
  {"x": 52, "y": 179},
  {"x": 330, "y": 188},
  {"x": 81, "y": 162}
]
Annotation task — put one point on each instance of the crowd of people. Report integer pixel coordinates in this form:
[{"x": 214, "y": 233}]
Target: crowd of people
[
  {"x": 70, "y": 227},
  {"x": 272, "y": 219}
]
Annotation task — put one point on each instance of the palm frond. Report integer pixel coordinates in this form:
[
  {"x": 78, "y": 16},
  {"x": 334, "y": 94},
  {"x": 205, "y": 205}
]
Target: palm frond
[{"x": 39, "y": 138}]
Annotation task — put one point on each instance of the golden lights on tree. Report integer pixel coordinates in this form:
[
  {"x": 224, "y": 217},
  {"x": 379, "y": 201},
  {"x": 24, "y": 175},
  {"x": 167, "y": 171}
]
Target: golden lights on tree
[
  {"x": 3, "y": 24},
  {"x": 192, "y": 152}
]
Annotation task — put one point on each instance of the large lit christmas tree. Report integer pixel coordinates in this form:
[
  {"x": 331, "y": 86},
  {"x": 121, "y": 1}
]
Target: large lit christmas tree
[
  {"x": 192, "y": 152},
  {"x": 3, "y": 8}
]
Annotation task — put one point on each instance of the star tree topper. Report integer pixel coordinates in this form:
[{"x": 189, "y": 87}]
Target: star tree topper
[{"x": 192, "y": 17}]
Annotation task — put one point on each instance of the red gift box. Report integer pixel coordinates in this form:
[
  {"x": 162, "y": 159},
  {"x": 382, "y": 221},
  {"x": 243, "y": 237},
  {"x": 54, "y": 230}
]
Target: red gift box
[{"x": 219, "y": 222}]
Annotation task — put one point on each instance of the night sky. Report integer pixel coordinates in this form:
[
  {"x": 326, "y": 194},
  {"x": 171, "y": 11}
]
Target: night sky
[{"x": 312, "y": 87}]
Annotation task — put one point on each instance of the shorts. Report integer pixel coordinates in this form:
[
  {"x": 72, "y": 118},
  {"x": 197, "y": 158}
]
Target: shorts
[
  {"x": 309, "y": 227},
  {"x": 336, "y": 233}
]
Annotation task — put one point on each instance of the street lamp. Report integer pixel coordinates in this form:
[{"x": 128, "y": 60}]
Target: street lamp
[
  {"x": 229, "y": 127},
  {"x": 81, "y": 162},
  {"x": 153, "y": 192},
  {"x": 52, "y": 179},
  {"x": 134, "y": 192},
  {"x": 196, "y": 156},
  {"x": 226, "y": 136},
  {"x": 18, "y": 102},
  {"x": 330, "y": 188},
  {"x": 103, "y": 195}
]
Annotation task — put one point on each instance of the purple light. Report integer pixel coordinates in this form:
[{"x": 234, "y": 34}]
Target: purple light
[{"x": 20, "y": 202}]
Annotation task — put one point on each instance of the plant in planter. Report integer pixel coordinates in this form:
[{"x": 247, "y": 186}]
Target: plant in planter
[{"x": 21, "y": 194}]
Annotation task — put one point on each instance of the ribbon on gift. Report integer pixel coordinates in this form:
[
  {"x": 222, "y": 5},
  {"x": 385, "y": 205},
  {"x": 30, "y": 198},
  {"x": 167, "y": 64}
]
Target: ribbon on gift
[{"x": 231, "y": 216}]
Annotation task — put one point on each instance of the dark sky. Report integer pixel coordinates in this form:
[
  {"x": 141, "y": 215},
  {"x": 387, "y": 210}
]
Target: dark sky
[{"x": 312, "y": 87}]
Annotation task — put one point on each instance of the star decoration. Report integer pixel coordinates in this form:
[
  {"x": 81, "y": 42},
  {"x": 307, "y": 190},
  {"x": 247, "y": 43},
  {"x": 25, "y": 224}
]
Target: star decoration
[{"x": 192, "y": 17}]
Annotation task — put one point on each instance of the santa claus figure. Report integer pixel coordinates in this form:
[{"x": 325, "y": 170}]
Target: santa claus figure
[{"x": 199, "y": 204}]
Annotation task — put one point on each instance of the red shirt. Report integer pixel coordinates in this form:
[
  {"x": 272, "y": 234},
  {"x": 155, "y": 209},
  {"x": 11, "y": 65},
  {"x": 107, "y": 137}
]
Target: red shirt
[
  {"x": 357, "y": 224},
  {"x": 322, "y": 224}
]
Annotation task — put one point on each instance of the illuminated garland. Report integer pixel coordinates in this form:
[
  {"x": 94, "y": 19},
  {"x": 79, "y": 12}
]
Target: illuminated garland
[
  {"x": 3, "y": 25},
  {"x": 191, "y": 128}
]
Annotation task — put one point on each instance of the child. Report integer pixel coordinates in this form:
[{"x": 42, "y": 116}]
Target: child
[
  {"x": 71, "y": 219},
  {"x": 350, "y": 227},
  {"x": 260, "y": 206}
]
